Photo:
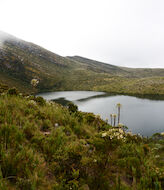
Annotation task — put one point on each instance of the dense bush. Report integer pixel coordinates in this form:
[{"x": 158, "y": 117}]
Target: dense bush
[
  {"x": 45, "y": 146},
  {"x": 12, "y": 91},
  {"x": 72, "y": 107}
]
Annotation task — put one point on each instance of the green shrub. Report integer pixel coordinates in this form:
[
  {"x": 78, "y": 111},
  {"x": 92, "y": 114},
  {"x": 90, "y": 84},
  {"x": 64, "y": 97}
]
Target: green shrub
[
  {"x": 90, "y": 117},
  {"x": 40, "y": 100},
  {"x": 25, "y": 184},
  {"x": 46, "y": 125},
  {"x": 74, "y": 154},
  {"x": 12, "y": 91},
  {"x": 72, "y": 107}
]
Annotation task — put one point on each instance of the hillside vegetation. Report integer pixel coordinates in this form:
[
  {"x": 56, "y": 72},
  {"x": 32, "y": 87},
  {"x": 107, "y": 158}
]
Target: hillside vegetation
[
  {"x": 44, "y": 145},
  {"x": 21, "y": 61}
]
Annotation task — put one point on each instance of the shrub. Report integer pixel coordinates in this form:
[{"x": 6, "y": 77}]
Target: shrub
[
  {"x": 25, "y": 184},
  {"x": 72, "y": 107},
  {"x": 12, "y": 91},
  {"x": 83, "y": 152},
  {"x": 40, "y": 100},
  {"x": 46, "y": 125},
  {"x": 90, "y": 118}
]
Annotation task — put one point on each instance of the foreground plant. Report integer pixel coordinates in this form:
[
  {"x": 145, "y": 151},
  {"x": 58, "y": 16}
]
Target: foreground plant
[{"x": 46, "y": 146}]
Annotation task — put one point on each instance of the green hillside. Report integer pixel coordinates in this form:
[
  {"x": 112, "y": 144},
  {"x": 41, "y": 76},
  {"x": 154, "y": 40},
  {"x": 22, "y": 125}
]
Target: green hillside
[
  {"x": 46, "y": 146},
  {"x": 21, "y": 61}
]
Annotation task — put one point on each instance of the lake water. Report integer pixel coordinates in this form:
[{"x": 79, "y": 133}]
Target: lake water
[{"x": 139, "y": 115}]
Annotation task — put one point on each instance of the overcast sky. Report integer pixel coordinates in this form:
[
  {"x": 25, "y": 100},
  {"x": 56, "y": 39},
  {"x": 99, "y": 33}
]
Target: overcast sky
[{"x": 120, "y": 32}]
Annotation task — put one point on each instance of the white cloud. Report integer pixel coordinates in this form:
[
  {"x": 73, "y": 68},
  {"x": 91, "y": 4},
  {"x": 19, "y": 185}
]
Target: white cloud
[{"x": 122, "y": 32}]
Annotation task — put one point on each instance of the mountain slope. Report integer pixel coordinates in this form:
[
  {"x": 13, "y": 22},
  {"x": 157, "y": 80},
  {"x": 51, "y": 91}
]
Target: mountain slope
[
  {"x": 99, "y": 67},
  {"x": 20, "y": 61},
  {"x": 23, "y": 61},
  {"x": 123, "y": 71}
]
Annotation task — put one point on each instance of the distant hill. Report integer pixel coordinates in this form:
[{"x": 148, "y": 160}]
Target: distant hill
[
  {"x": 20, "y": 61},
  {"x": 112, "y": 69},
  {"x": 99, "y": 67}
]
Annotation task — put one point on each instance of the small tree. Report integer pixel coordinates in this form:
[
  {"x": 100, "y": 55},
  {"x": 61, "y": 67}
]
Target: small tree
[
  {"x": 119, "y": 108},
  {"x": 114, "y": 116},
  {"x": 111, "y": 118},
  {"x": 34, "y": 82}
]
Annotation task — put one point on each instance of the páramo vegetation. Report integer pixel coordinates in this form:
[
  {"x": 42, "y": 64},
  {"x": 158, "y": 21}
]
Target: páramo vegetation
[{"x": 44, "y": 145}]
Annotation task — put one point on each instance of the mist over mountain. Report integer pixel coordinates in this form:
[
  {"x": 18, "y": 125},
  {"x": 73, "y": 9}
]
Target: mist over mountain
[{"x": 20, "y": 61}]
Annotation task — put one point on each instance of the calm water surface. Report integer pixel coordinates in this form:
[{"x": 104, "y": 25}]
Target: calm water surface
[{"x": 139, "y": 115}]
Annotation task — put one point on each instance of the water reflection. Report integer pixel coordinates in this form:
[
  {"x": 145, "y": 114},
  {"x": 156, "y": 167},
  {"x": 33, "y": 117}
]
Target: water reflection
[{"x": 142, "y": 116}]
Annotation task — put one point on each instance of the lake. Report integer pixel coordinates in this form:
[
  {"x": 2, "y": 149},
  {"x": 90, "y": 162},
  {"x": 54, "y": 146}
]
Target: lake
[{"x": 141, "y": 116}]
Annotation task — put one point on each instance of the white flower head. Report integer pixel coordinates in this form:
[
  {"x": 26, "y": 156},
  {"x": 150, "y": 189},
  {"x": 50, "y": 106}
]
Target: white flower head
[
  {"x": 34, "y": 82},
  {"x": 120, "y": 125},
  {"x": 98, "y": 116},
  {"x": 130, "y": 133},
  {"x": 32, "y": 102},
  {"x": 104, "y": 134},
  {"x": 121, "y": 136},
  {"x": 121, "y": 131},
  {"x": 56, "y": 125}
]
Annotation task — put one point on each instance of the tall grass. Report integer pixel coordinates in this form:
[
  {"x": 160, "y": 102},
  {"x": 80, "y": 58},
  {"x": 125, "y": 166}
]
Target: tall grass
[{"x": 46, "y": 146}]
